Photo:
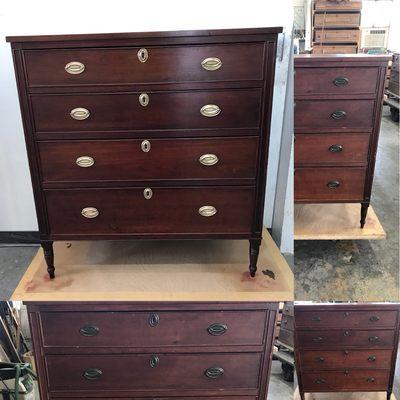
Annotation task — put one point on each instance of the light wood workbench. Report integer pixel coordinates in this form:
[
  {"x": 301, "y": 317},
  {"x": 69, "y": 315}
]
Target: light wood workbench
[
  {"x": 212, "y": 270},
  {"x": 344, "y": 396}
]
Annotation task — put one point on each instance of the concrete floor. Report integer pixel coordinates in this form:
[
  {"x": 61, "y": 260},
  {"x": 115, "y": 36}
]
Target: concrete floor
[
  {"x": 359, "y": 269},
  {"x": 278, "y": 388}
]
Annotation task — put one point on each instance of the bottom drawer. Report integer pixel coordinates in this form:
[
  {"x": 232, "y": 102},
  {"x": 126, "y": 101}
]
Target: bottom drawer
[
  {"x": 159, "y": 373},
  {"x": 329, "y": 184},
  {"x": 332, "y": 49},
  {"x": 367, "y": 380}
]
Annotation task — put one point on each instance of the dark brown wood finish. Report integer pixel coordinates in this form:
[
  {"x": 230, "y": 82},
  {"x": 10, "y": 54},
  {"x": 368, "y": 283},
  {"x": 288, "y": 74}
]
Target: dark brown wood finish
[
  {"x": 346, "y": 347},
  {"x": 163, "y": 350},
  {"x": 338, "y": 105},
  {"x": 114, "y": 71}
]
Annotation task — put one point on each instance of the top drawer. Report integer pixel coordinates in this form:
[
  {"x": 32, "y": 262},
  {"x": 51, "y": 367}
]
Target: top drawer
[
  {"x": 145, "y": 65},
  {"x": 336, "y": 80}
]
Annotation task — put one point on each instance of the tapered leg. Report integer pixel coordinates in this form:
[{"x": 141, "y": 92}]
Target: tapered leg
[
  {"x": 302, "y": 396},
  {"x": 49, "y": 257},
  {"x": 254, "y": 250},
  {"x": 389, "y": 395},
  {"x": 364, "y": 210}
]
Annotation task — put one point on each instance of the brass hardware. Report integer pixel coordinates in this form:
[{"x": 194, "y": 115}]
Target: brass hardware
[
  {"x": 208, "y": 159},
  {"x": 79, "y": 113},
  {"x": 147, "y": 193},
  {"x": 346, "y": 333},
  {"x": 143, "y": 55},
  {"x": 336, "y": 148},
  {"x": 346, "y": 372},
  {"x": 333, "y": 184},
  {"x": 320, "y": 381},
  {"x": 144, "y": 99},
  {"x": 154, "y": 319},
  {"x": 211, "y": 63},
  {"x": 370, "y": 379},
  {"x": 214, "y": 372},
  {"x": 339, "y": 81},
  {"x": 346, "y": 352},
  {"x": 207, "y": 211},
  {"x": 89, "y": 330},
  {"x": 75, "y": 67},
  {"x": 210, "y": 110},
  {"x": 84, "y": 161},
  {"x": 318, "y": 339},
  {"x": 217, "y": 329},
  {"x": 374, "y": 318},
  {"x": 92, "y": 374},
  {"x": 145, "y": 146},
  {"x": 316, "y": 319},
  {"x": 373, "y": 339},
  {"x": 346, "y": 314},
  {"x": 371, "y": 358},
  {"x": 154, "y": 361},
  {"x": 90, "y": 212},
  {"x": 320, "y": 359},
  {"x": 338, "y": 114}
]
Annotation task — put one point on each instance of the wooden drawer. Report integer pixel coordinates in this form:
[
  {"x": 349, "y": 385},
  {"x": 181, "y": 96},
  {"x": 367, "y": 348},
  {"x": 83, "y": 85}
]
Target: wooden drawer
[
  {"x": 164, "y": 65},
  {"x": 137, "y": 329},
  {"x": 164, "y": 111},
  {"x": 337, "y": 20},
  {"x": 142, "y": 372},
  {"x": 287, "y": 322},
  {"x": 168, "y": 211},
  {"x": 356, "y": 338},
  {"x": 346, "y": 319},
  {"x": 336, "y": 80},
  {"x": 364, "y": 380},
  {"x": 153, "y": 159},
  {"x": 334, "y": 115},
  {"x": 334, "y": 49},
  {"x": 340, "y": 359},
  {"x": 336, "y": 36},
  {"x": 331, "y": 149},
  {"x": 329, "y": 5},
  {"x": 286, "y": 336},
  {"x": 329, "y": 184}
]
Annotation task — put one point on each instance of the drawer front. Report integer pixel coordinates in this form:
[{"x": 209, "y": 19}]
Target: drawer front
[
  {"x": 331, "y": 115},
  {"x": 336, "y": 20},
  {"x": 346, "y": 319},
  {"x": 330, "y": 5},
  {"x": 358, "y": 338},
  {"x": 286, "y": 336},
  {"x": 331, "y": 149},
  {"x": 336, "y": 36},
  {"x": 164, "y": 110},
  {"x": 158, "y": 159},
  {"x": 163, "y": 65},
  {"x": 201, "y": 210},
  {"x": 325, "y": 359},
  {"x": 140, "y": 372},
  {"x": 335, "y": 49},
  {"x": 358, "y": 381},
  {"x": 152, "y": 329},
  {"x": 287, "y": 322},
  {"x": 342, "y": 80},
  {"x": 329, "y": 184}
]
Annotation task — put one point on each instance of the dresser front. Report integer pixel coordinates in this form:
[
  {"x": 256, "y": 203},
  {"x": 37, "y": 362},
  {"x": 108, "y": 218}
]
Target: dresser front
[
  {"x": 338, "y": 104},
  {"x": 147, "y": 350},
  {"x": 154, "y": 135},
  {"x": 346, "y": 347}
]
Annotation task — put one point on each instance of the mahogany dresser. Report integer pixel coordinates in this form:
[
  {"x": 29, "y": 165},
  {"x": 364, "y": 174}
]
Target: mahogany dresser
[
  {"x": 338, "y": 105},
  {"x": 346, "y": 347},
  {"x": 160, "y": 135},
  {"x": 151, "y": 350}
]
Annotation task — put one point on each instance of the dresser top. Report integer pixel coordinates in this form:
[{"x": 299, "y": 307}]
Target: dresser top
[
  {"x": 341, "y": 58},
  {"x": 141, "y": 35},
  {"x": 360, "y": 306}
]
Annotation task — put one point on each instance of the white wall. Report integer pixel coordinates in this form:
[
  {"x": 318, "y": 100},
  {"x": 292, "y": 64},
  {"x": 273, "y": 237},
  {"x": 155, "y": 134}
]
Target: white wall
[{"x": 19, "y": 17}]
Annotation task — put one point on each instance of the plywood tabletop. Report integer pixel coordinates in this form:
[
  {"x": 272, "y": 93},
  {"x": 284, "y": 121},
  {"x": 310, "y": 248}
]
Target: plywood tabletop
[
  {"x": 212, "y": 270},
  {"x": 339, "y": 221}
]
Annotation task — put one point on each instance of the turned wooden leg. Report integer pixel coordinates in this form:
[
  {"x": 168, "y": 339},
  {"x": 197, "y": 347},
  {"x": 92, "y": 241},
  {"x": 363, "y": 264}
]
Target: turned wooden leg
[
  {"x": 302, "y": 396},
  {"x": 389, "y": 395},
  {"x": 49, "y": 257},
  {"x": 254, "y": 250},
  {"x": 364, "y": 210}
]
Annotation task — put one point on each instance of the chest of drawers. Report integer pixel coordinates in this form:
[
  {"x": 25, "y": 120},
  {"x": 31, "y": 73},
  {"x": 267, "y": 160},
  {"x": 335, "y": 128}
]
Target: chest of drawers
[
  {"x": 148, "y": 135},
  {"x": 346, "y": 347},
  {"x": 338, "y": 105},
  {"x": 153, "y": 350}
]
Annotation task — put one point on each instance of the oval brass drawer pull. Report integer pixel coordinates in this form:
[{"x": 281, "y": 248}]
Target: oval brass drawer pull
[
  {"x": 318, "y": 339},
  {"x": 147, "y": 193},
  {"x": 320, "y": 381},
  {"x": 208, "y": 159},
  {"x": 145, "y": 146},
  {"x": 214, "y": 372},
  {"x": 339, "y": 81},
  {"x": 89, "y": 330},
  {"x": 90, "y": 212},
  {"x": 154, "y": 361},
  {"x": 207, "y": 211},
  {"x": 154, "y": 319},
  {"x": 374, "y": 318},
  {"x": 84, "y": 161},
  {"x": 210, "y": 110},
  {"x": 75, "y": 67},
  {"x": 316, "y": 319},
  {"x": 373, "y": 339},
  {"x": 370, "y": 379},
  {"x": 143, "y": 55},
  {"x": 338, "y": 114},
  {"x": 79, "y": 113},
  {"x": 333, "y": 184},
  {"x": 372, "y": 358},
  {"x": 217, "y": 329},
  {"x": 144, "y": 99},
  {"x": 92, "y": 374},
  {"x": 336, "y": 148},
  {"x": 211, "y": 63}
]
